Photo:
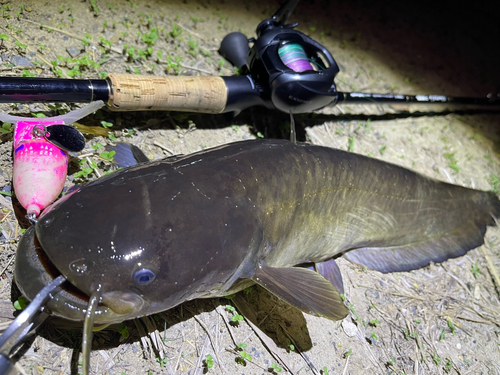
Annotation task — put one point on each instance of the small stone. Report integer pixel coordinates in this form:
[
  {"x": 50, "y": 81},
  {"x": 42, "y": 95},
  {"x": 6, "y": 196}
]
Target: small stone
[
  {"x": 73, "y": 51},
  {"x": 350, "y": 328},
  {"x": 20, "y": 61}
]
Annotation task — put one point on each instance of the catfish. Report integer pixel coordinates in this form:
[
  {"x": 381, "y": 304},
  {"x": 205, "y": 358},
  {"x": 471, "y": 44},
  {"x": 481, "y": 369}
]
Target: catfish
[{"x": 270, "y": 212}]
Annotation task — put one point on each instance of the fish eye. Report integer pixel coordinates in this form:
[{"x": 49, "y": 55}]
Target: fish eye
[{"x": 144, "y": 277}]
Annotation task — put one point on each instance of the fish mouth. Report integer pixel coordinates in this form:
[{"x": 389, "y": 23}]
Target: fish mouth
[{"x": 33, "y": 270}]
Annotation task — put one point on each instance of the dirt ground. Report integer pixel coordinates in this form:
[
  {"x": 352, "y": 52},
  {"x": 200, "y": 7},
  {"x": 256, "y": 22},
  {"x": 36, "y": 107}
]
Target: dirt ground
[{"x": 440, "y": 319}]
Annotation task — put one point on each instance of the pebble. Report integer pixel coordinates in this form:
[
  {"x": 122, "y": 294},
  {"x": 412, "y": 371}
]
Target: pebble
[
  {"x": 350, "y": 328},
  {"x": 6, "y": 189},
  {"x": 255, "y": 353},
  {"x": 20, "y": 61},
  {"x": 73, "y": 51}
]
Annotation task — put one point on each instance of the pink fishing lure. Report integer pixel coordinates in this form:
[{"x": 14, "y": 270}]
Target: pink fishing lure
[{"x": 40, "y": 168}]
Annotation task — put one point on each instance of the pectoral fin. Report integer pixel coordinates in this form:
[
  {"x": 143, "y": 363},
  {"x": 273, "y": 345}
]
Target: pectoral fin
[
  {"x": 330, "y": 271},
  {"x": 305, "y": 289},
  {"x": 126, "y": 154}
]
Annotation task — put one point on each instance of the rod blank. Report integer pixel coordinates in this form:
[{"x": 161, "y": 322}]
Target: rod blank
[{"x": 365, "y": 98}]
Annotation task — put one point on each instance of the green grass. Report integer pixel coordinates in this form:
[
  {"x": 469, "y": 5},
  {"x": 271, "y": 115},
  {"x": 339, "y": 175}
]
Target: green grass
[{"x": 452, "y": 162}]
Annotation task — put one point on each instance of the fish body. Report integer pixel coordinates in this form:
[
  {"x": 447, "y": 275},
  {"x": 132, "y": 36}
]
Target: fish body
[{"x": 154, "y": 235}]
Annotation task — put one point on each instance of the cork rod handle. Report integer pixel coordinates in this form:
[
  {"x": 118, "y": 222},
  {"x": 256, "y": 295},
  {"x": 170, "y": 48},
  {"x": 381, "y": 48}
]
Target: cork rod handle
[{"x": 171, "y": 93}]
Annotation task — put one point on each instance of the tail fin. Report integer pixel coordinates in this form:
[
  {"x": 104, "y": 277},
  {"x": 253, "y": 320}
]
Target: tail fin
[{"x": 439, "y": 247}]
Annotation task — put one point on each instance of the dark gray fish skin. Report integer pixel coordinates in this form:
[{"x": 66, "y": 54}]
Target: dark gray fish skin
[{"x": 213, "y": 222}]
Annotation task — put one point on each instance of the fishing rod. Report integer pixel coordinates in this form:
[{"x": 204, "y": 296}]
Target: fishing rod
[{"x": 284, "y": 69}]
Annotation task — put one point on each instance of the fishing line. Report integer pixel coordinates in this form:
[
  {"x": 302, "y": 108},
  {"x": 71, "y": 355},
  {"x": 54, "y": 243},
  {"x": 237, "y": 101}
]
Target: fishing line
[{"x": 294, "y": 56}]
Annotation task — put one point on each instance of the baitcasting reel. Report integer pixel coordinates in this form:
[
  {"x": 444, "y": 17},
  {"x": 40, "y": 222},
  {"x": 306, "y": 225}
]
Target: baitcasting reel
[{"x": 289, "y": 71}]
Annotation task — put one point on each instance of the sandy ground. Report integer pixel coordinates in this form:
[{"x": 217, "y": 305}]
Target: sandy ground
[{"x": 440, "y": 319}]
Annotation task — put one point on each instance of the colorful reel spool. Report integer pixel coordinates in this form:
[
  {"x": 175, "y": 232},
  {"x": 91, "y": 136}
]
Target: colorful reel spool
[{"x": 294, "y": 56}]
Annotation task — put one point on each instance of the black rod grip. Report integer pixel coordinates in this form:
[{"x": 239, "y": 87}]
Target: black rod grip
[
  {"x": 30, "y": 90},
  {"x": 243, "y": 93}
]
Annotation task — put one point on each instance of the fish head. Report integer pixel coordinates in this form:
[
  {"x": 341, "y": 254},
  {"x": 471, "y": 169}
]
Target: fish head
[
  {"x": 143, "y": 255},
  {"x": 120, "y": 300}
]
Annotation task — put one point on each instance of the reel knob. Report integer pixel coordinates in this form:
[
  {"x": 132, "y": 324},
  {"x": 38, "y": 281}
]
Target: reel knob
[{"x": 234, "y": 48}]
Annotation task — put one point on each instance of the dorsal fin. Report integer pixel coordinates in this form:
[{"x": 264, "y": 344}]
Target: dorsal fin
[{"x": 305, "y": 289}]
